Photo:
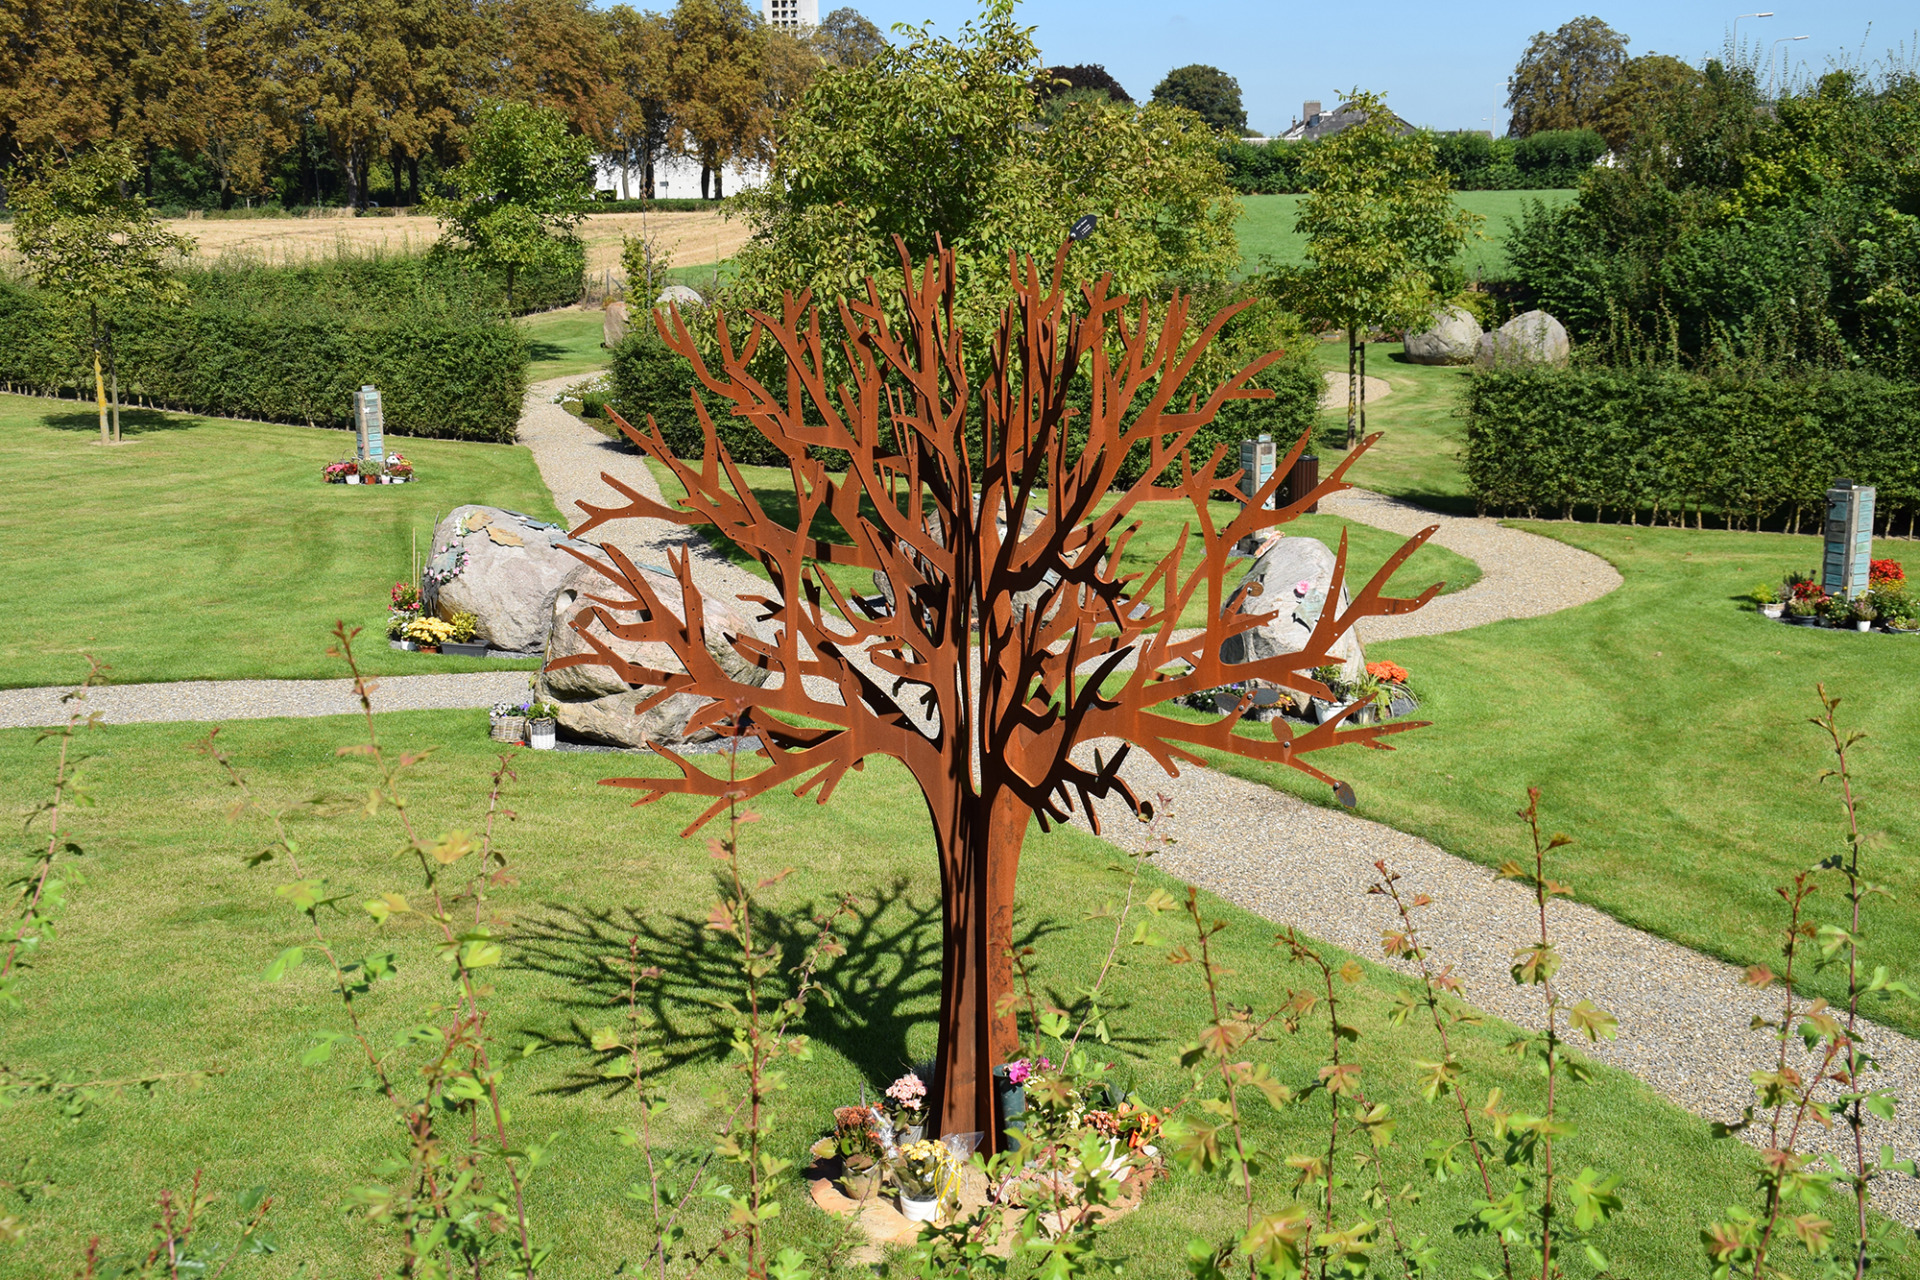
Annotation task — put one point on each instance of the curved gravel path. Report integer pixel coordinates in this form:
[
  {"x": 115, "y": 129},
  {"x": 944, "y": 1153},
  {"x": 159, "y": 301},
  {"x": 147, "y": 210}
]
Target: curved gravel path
[{"x": 259, "y": 699}]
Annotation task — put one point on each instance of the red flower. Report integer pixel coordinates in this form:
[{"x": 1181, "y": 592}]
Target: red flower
[
  {"x": 1884, "y": 571},
  {"x": 1391, "y": 672}
]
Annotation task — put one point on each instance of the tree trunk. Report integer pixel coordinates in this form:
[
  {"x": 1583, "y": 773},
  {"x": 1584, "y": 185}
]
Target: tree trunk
[
  {"x": 113, "y": 382},
  {"x": 979, "y": 843},
  {"x": 350, "y": 171},
  {"x": 99, "y": 380},
  {"x": 1352, "y": 389},
  {"x": 1363, "y": 385},
  {"x": 413, "y": 180},
  {"x": 510, "y": 274},
  {"x": 705, "y": 174}
]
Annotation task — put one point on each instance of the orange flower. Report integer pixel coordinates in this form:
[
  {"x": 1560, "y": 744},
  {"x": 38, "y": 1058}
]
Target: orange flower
[{"x": 1391, "y": 672}]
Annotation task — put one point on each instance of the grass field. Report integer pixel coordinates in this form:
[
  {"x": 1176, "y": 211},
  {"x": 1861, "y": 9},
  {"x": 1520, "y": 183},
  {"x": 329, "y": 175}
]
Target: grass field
[
  {"x": 1418, "y": 455},
  {"x": 1266, "y": 228},
  {"x": 1667, "y": 725},
  {"x": 157, "y": 964},
  {"x": 1161, "y": 523},
  {"x": 206, "y": 548},
  {"x": 564, "y": 343}
]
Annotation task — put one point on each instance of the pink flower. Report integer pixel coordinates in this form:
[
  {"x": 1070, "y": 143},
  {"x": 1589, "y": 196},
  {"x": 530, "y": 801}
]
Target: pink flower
[
  {"x": 1018, "y": 1071},
  {"x": 909, "y": 1091},
  {"x": 1303, "y": 588}
]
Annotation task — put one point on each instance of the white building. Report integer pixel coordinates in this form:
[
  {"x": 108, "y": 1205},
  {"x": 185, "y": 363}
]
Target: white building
[
  {"x": 791, "y": 14},
  {"x": 675, "y": 177}
]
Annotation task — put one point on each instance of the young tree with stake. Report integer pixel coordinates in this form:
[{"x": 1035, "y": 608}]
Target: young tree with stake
[{"x": 88, "y": 237}]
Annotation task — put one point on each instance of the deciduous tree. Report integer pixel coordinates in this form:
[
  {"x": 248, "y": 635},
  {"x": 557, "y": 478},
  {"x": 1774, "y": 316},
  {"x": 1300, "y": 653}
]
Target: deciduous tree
[
  {"x": 1208, "y": 92},
  {"x": 844, "y": 38},
  {"x": 523, "y": 189},
  {"x": 967, "y": 485},
  {"x": 718, "y": 84},
  {"x": 87, "y": 236},
  {"x": 1562, "y": 78},
  {"x": 1644, "y": 89},
  {"x": 1382, "y": 231}
]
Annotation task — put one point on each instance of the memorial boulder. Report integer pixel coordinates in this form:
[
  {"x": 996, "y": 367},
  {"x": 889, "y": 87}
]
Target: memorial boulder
[
  {"x": 1452, "y": 336},
  {"x": 1295, "y": 575},
  {"x": 594, "y": 701},
  {"x": 1529, "y": 339},
  {"x": 503, "y": 567}
]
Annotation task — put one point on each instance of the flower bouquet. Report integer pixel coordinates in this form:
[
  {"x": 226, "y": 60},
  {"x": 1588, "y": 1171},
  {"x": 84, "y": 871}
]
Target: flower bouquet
[
  {"x": 429, "y": 633},
  {"x": 398, "y": 468},
  {"x": 928, "y": 1174}
]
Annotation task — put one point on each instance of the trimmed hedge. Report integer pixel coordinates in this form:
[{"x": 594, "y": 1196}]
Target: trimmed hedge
[
  {"x": 1750, "y": 451},
  {"x": 1545, "y": 161},
  {"x": 292, "y": 345},
  {"x": 676, "y": 205}
]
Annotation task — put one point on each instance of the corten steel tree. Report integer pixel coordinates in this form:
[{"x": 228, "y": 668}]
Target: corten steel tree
[{"x": 983, "y": 701}]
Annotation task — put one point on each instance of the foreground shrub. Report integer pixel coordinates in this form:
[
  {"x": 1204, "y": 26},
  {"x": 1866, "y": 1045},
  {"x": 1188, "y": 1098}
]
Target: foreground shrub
[{"x": 1678, "y": 446}]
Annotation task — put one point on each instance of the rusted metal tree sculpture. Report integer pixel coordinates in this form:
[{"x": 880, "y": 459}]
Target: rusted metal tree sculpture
[{"x": 982, "y": 698}]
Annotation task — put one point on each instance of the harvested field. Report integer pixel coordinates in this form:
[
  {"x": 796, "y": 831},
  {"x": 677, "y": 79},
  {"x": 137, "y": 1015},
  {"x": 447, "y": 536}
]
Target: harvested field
[{"x": 694, "y": 237}]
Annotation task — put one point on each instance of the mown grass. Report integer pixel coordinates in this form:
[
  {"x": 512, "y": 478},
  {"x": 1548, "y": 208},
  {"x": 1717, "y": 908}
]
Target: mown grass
[
  {"x": 1667, "y": 725},
  {"x": 209, "y": 549},
  {"x": 1422, "y": 435},
  {"x": 1161, "y": 523},
  {"x": 563, "y": 343},
  {"x": 157, "y": 966},
  {"x": 1266, "y": 229}
]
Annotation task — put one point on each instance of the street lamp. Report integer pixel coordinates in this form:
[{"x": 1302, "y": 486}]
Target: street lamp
[
  {"x": 1736, "y": 28},
  {"x": 1783, "y": 66}
]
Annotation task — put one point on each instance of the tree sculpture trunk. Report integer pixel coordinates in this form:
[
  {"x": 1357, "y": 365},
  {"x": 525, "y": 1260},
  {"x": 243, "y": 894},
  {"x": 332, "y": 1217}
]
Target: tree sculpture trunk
[{"x": 967, "y": 494}]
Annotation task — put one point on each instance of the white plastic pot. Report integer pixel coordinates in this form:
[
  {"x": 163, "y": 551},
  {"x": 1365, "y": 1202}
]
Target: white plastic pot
[
  {"x": 919, "y": 1210},
  {"x": 1772, "y": 610},
  {"x": 540, "y": 735},
  {"x": 1861, "y": 624},
  {"x": 354, "y": 478}
]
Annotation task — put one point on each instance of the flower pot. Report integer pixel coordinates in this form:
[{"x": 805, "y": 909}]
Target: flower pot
[
  {"x": 540, "y": 734},
  {"x": 429, "y": 648},
  {"x": 1862, "y": 624},
  {"x": 914, "y": 1132},
  {"x": 919, "y": 1210},
  {"x": 1402, "y": 704},
  {"x": 1772, "y": 610},
  {"x": 1012, "y": 1101},
  {"x": 509, "y": 729},
  {"x": 353, "y": 479},
  {"x": 402, "y": 644},
  {"x": 860, "y": 1184},
  {"x": 1325, "y": 711},
  {"x": 465, "y": 648}
]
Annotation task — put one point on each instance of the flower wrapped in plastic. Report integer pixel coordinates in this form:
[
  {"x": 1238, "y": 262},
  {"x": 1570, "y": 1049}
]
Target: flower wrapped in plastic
[{"x": 929, "y": 1170}]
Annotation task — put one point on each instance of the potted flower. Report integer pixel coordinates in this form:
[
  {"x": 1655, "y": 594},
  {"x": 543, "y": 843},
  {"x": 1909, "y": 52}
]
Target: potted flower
[
  {"x": 428, "y": 634},
  {"x": 337, "y": 472},
  {"x": 926, "y": 1173},
  {"x": 1010, "y": 1088},
  {"x": 909, "y": 1097},
  {"x": 1330, "y": 676},
  {"x": 369, "y": 471},
  {"x": 1835, "y": 611},
  {"x": 1768, "y": 601},
  {"x": 1396, "y": 698},
  {"x": 1862, "y": 613},
  {"x": 462, "y": 643},
  {"x": 507, "y": 723},
  {"x": 859, "y": 1147},
  {"x": 540, "y": 725},
  {"x": 399, "y": 470}
]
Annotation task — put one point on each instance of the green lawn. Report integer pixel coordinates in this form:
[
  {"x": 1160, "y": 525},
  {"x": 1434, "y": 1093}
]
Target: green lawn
[
  {"x": 1667, "y": 725},
  {"x": 563, "y": 343},
  {"x": 1368, "y": 548},
  {"x": 1421, "y": 435},
  {"x": 207, "y": 548},
  {"x": 1266, "y": 229},
  {"x": 157, "y": 960}
]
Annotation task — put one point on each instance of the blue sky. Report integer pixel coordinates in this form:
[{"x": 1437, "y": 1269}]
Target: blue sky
[{"x": 1441, "y": 65}]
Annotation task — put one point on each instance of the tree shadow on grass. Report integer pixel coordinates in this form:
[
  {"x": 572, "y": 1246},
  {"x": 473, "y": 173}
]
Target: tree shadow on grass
[
  {"x": 133, "y": 422},
  {"x": 884, "y": 984}
]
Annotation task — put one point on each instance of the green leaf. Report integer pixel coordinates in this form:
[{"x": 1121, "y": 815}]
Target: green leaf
[
  {"x": 282, "y": 963},
  {"x": 322, "y": 1049}
]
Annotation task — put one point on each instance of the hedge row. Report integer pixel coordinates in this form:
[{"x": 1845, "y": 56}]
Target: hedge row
[
  {"x": 1545, "y": 161},
  {"x": 256, "y": 344},
  {"x": 649, "y": 378},
  {"x": 1749, "y": 451}
]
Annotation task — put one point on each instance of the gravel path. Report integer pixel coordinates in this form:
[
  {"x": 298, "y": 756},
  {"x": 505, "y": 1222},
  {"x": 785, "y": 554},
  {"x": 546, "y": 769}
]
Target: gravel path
[
  {"x": 1522, "y": 575},
  {"x": 1684, "y": 1018},
  {"x": 1335, "y": 396},
  {"x": 257, "y": 699}
]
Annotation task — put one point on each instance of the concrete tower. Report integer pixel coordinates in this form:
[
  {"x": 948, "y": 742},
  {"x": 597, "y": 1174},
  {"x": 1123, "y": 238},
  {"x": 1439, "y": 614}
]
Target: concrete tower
[{"x": 791, "y": 14}]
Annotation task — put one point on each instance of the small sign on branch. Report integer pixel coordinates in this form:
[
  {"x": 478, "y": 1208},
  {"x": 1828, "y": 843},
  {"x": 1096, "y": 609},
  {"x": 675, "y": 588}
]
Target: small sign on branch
[{"x": 368, "y": 423}]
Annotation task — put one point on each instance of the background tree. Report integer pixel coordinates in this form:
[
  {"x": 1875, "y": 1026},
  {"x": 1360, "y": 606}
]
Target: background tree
[
  {"x": 718, "y": 84},
  {"x": 640, "y": 62},
  {"x": 844, "y": 38},
  {"x": 340, "y": 65},
  {"x": 926, "y": 143},
  {"x": 556, "y": 53},
  {"x": 988, "y": 706},
  {"x": 522, "y": 191},
  {"x": 1644, "y": 89},
  {"x": 1087, "y": 78},
  {"x": 87, "y": 237},
  {"x": 1208, "y": 92},
  {"x": 1562, "y": 78},
  {"x": 1382, "y": 233}
]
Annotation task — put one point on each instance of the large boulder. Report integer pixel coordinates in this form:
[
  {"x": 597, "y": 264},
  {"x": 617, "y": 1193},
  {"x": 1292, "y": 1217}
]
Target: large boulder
[
  {"x": 1280, "y": 570},
  {"x": 594, "y": 702},
  {"x": 679, "y": 295},
  {"x": 504, "y": 568},
  {"x": 1531, "y": 338},
  {"x": 613, "y": 324},
  {"x": 1452, "y": 336}
]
